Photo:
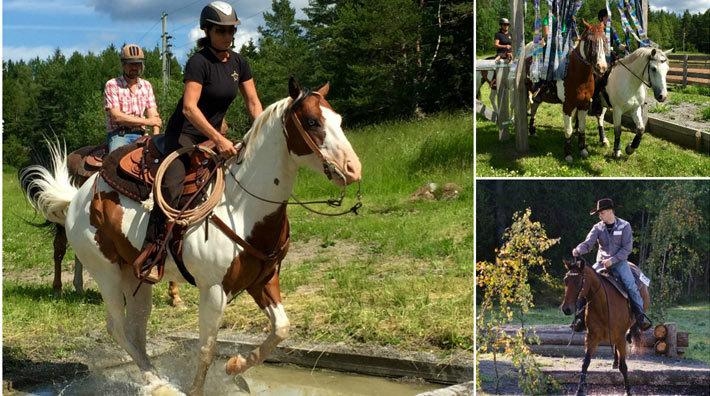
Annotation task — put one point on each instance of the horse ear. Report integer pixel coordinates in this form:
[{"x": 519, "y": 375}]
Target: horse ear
[
  {"x": 666, "y": 52},
  {"x": 653, "y": 53},
  {"x": 584, "y": 21},
  {"x": 323, "y": 89},
  {"x": 294, "y": 89}
]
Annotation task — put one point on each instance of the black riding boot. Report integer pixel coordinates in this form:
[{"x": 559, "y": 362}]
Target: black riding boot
[{"x": 578, "y": 324}]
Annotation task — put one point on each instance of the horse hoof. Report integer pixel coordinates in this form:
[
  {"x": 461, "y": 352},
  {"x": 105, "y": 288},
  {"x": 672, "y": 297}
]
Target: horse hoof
[
  {"x": 584, "y": 153},
  {"x": 236, "y": 365},
  {"x": 604, "y": 142},
  {"x": 630, "y": 150},
  {"x": 617, "y": 154},
  {"x": 568, "y": 159}
]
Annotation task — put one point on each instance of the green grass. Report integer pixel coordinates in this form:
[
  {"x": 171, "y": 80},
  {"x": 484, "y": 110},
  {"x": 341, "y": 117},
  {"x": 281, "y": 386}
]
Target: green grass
[
  {"x": 691, "y": 318},
  {"x": 400, "y": 273},
  {"x": 654, "y": 158}
]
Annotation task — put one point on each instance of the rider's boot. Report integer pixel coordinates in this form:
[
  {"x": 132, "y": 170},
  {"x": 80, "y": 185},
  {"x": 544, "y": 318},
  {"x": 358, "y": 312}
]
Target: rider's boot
[{"x": 148, "y": 266}]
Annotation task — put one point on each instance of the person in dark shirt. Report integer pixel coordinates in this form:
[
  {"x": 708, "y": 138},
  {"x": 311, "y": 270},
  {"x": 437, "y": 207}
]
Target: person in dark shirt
[
  {"x": 212, "y": 77},
  {"x": 503, "y": 41}
]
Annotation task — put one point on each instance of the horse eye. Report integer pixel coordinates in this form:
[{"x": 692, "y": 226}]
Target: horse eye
[
  {"x": 653, "y": 69},
  {"x": 311, "y": 122}
]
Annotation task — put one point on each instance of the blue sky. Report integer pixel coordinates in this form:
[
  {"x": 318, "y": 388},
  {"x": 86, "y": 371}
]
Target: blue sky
[{"x": 34, "y": 28}]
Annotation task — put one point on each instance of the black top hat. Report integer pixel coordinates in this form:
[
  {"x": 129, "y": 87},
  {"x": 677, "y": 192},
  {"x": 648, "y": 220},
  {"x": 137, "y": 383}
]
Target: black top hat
[{"x": 602, "y": 204}]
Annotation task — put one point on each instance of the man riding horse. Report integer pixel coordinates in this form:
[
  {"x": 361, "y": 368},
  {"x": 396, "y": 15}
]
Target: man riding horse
[{"x": 614, "y": 237}]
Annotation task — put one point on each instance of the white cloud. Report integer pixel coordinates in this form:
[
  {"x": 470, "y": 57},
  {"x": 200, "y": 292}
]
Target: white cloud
[{"x": 54, "y": 7}]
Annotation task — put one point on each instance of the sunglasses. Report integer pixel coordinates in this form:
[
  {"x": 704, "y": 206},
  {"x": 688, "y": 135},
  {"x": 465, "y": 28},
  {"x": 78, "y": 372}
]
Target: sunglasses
[{"x": 225, "y": 30}]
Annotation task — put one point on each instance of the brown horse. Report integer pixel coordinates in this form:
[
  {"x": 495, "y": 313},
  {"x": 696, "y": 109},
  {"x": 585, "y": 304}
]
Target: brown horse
[
  {"x": 80, "y": 169},
  {"x": 576, "y": 90},
  {"x": 607, "y": 314}
]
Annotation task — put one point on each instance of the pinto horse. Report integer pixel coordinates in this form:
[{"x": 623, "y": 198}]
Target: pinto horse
[
  {"x": 106, "y": 230},
  {"x": 576, "y": 90},
  {"x": 623, "y": 89},
  {"x": 607, "y": 315}
]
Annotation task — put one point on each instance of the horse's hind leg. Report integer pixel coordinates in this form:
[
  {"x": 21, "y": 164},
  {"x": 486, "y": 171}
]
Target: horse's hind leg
[
  {"x": 615, "y": 364},
  {"x": 638, "y": 121},
  {"x": 60, "y": 249},
  {"x": 600, "y": 127},
  {"x": 174, "y": 293},
  {"x": 127, "y": 315},
  {"x": 617, "y": 134}
]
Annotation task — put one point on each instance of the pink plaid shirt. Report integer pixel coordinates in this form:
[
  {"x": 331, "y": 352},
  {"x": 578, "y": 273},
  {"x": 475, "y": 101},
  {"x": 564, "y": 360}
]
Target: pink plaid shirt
[{"x": 117, "y": 94}]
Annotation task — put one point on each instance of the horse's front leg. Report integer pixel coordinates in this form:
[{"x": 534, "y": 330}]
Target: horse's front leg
[
  {"x": 212, "y": 303},
  {"x": 568, "y": 136},
  {"x": 640, "y": 129},
  {"x": 600, "y": 127},
  {"x": 581, "y": 128},
  {"x": 624, "y": 372},
  {"x": 78, "y": 281},
  {"x": 174, "y": 294},
  {"x": 280, "y": 325},
  {"x": 588, "y": 353}
]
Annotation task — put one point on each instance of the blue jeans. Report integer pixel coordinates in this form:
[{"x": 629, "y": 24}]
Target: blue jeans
[
  {"x": 622, "y": 271},
  {"x": 116, "y": 140}
]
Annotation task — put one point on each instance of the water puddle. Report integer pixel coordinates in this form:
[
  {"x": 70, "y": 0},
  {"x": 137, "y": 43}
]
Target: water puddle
[{"x": 277, "y": 380}]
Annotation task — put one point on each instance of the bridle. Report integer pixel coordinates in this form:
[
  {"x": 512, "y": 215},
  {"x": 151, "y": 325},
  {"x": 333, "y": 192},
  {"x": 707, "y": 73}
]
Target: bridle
[
  {"x": 329, "y": 168},
  {"x": 646, "y": 67}
]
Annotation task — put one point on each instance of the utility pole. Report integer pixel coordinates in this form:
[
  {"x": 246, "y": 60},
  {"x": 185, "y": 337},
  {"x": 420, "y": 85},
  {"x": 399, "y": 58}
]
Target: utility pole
[{"x": 165, "y": 52}]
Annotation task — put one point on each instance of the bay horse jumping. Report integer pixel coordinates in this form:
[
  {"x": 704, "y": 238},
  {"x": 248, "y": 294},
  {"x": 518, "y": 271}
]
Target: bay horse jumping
[
  {"x": 79, "y": 171},
  {"x": 106, "y": 230},
  {"x": 576, "y": 90},
  {"x": 623, "y": 89},
  {"x": 607, "y": 315}
]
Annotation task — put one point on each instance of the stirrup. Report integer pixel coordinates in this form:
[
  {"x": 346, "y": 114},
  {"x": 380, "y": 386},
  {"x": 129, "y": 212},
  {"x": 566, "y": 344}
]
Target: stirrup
[
  {"x": 147, "y": 266},
  {"x": 578, "y": 325}
]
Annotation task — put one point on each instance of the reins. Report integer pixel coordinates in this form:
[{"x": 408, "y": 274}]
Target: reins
[{"x": 642, "y": 71}]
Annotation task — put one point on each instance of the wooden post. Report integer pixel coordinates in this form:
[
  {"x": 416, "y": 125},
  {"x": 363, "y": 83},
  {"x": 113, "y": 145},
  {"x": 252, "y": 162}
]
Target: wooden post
[
  {"x": 503, "y": 118},
  {"x": 520, "y": 96},
  {"x": 685, "y": 70}
]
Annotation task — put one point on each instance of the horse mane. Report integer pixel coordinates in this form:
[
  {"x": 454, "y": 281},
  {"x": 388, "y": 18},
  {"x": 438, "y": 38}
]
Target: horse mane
[
  {"x": 271, "y": 115},
  {"x": 641, "y": 52}
]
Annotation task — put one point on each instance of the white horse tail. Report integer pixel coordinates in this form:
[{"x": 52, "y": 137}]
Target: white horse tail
[{"x": 50, "y": 191}]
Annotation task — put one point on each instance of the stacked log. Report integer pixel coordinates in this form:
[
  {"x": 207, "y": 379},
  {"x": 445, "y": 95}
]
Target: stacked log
[{"x": 561, "y": 341}]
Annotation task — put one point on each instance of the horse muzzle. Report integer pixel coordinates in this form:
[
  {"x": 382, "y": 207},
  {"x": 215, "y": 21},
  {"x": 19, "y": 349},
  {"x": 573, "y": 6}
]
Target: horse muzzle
[
  {"x": 566, "y": 310},
  {"x": 661, "y": 97}
]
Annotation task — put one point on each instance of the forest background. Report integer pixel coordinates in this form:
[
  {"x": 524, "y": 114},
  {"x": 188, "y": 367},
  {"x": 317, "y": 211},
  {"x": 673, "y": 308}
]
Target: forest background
[{"x": 385, "y": 61}]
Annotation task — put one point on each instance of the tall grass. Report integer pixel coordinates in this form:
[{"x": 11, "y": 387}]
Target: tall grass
[{"x": 400, "y": 273}]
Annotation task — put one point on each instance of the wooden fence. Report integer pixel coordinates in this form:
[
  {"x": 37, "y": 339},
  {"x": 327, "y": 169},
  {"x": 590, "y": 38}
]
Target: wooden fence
[{"x": 689, "y": 70}]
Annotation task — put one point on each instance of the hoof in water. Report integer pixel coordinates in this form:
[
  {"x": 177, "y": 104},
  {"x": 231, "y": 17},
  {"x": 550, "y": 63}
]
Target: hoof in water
[
  {"x": 166, "y": 390},
  {"x": 568, "y": 159},
  {"x": 584, "y": 153},
  {"x": 617, "y": 154},
  {"x": 630, "y": 150},
  {"x": 235, "y": 365}
]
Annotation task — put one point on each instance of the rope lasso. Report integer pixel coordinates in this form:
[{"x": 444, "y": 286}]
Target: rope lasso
[{"x": 187, "y": 217}]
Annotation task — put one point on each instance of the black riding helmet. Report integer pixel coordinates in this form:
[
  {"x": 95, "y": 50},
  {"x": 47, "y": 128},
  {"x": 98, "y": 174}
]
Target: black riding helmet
[{"x": 218, "y": 13}]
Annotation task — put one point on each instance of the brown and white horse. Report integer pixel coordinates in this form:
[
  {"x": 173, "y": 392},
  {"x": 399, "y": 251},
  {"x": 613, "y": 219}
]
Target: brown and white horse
[
  {"x": 107, "y": 229},
  {"x": 576, "y": 90}
]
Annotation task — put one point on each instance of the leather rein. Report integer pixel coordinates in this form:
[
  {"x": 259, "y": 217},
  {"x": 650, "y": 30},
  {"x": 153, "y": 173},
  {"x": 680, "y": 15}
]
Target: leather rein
[{"x": 648, "y": 63}]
